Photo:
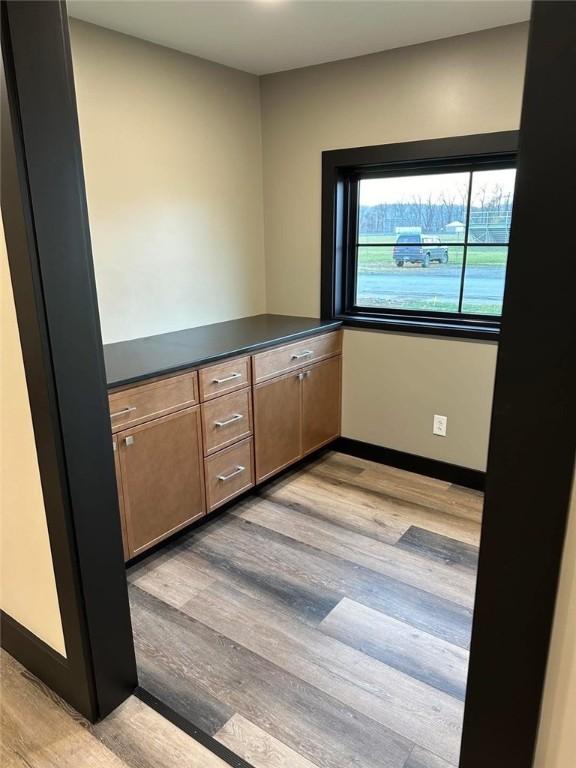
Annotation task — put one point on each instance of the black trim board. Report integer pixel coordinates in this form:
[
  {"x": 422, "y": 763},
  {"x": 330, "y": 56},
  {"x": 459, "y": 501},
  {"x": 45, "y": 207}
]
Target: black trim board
[
  {"x": 421, "y": 327},
  {"x": 33, "y": 653},
  {"x": 49, "y": 252},
  {"x": 532, "y": 438},
  {"x": 530, "y": 462},
  {"x": 72, "y": 680},
  {"x": 212, "y": 744},
  {"x": 438, "y": 151},
  {"x": 340, "y": 172},
  {"x": 422, "y": 465}
]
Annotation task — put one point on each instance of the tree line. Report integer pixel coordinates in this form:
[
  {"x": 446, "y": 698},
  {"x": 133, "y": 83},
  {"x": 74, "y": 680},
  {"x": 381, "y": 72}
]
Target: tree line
[{"x": 429, "y": 216}]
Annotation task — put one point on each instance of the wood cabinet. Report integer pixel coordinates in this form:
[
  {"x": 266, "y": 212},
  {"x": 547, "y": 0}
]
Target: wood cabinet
[
  {"x": 226, "y": 420},
  {"x": 120, "y": 498},
  {"x": 277, "y": 424},
  {"x": 191, "y": 442},
  {"x": 296, "y": 414},
  {"x": 137, "y": 405},
  {"x": 229, "y": 473},
  {"x": 228, "y": 376},
  {"x": 321, "y": 399},
  {"x": 162, "y": 477},
  {"x": 288, "y": 357}
]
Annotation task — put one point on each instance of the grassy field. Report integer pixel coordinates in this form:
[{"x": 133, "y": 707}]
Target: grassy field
[
  {"x": 375, "y": 258},
  {"x": 435, "y": 305}
]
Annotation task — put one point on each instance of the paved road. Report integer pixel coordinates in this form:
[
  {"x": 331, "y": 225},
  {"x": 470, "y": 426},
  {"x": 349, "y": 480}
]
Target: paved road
[{"x": 483, "y": 283}]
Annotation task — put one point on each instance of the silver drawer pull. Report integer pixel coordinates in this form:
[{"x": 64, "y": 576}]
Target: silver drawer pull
[
  {"x": 123, "y": 412},
  {"x": 231, "y": 420},
  {"x": 238, "y": 471},
  {"x": 129, "y": 440},
  {"x": 306, "y": 353},
  {"x": 227, "y": 378}
]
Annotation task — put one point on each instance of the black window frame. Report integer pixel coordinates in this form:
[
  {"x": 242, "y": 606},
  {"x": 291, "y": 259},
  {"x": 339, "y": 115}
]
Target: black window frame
[{"x": 342, "y": 171}]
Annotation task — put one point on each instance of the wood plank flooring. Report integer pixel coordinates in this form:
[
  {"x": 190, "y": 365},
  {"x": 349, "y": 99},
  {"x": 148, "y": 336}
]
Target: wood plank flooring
[
  {"x": 38, "y": 730},
  {"x": 322, "y": 623}
]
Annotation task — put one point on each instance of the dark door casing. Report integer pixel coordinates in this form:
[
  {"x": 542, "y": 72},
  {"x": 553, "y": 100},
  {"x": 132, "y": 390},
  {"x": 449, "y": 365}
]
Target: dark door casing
[{"x": 531, "y": 452}]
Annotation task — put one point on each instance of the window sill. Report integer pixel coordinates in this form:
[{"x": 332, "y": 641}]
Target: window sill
[{"x": 423, "y": 326}]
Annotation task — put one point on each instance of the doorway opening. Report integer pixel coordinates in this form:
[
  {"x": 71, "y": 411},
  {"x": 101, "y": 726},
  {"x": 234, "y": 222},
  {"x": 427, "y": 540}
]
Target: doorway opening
[{"x": 302, "y": 590}]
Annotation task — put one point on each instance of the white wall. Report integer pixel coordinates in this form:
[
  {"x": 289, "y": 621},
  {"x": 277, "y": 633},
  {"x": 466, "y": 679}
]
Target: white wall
[
  {"x": 393, "y": 384},
  {"x": 404, "y": 380},
  {"x": 27, "y": 583},
  {"x": 172, "y": 158}
]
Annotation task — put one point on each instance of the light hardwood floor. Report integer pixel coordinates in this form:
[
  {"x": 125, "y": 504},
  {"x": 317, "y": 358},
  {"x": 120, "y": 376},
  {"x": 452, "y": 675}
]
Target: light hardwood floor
[
  {"x": 322, "y": 623},
  {"x": 38, "y": 730}
]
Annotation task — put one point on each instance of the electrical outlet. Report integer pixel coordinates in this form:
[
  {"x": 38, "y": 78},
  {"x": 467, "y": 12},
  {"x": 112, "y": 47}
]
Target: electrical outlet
[{"x": 440, "y": 425}]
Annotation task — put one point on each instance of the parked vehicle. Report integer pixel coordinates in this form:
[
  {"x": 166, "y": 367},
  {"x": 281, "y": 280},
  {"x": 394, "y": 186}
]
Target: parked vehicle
[{"x": 419, "y": 249}]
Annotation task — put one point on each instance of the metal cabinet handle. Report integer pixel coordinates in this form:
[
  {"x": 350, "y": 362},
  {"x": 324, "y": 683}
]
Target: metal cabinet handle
[
  {"x": 299, "y": 355},
  {"x": 123, "y": 411},
  {"x": 227, "y": 378},
  {"x": 129, "y": 440},
  {"x": 231, "y": 420},
  {"x": 238, "y": 471}
]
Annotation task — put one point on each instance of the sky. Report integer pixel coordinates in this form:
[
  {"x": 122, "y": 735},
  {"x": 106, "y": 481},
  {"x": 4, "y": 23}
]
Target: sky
[{"x": 452, "y": 185}]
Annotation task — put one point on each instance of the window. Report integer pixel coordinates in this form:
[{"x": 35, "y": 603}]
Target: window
[{"x": 420, "y": 244}]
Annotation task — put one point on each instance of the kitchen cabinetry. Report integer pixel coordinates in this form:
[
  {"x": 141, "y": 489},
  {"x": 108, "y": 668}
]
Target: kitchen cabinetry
[
  {"x": 162, "y": 477},
  {"x": 226, "y": 420},
  {"x": 137, "y": 405},
  {"x": 120, "y": 498},
  {"x": 277, "y": 421},
  {"x": 295, "y": 414},
  {"x": 188, "y": 443},
  {"x": 321, "y": 398},
  {"x": 229, "y": 473}
]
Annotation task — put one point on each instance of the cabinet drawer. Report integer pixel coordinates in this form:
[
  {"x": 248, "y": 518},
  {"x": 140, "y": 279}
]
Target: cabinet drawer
[
  {"x": 149, "y": 401},
  {"x": 279, "y": 360},
  {"x": 229, "y": 473},
  {"x": 224, "y": 377},
  {"x": 226, "y": 420}
]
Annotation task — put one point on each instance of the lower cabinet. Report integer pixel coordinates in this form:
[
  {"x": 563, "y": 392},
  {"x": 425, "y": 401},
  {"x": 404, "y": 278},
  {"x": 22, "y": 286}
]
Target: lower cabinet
[
  {"x": 229, "y": 473},
  {"x": 162, "y": 478},
  {"x": 120, "y": 497},
  {"x": 277, "y": 424},
  {"x": 295, "y": 414},
  {"x": 187, "y": 444},
  {"x": 321, "y": 404}
]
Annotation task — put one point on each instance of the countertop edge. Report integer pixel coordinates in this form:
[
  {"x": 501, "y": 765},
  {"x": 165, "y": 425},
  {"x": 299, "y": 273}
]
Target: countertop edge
[{"x": 250, "y": 349}]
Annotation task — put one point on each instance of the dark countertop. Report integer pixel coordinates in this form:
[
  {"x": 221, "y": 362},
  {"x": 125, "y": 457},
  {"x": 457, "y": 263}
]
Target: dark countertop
[{"x": 138, "y": 359}]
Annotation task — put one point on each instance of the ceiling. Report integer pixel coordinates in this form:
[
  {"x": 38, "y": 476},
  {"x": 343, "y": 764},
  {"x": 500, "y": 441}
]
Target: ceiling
[{"x": 263, "y": 36}]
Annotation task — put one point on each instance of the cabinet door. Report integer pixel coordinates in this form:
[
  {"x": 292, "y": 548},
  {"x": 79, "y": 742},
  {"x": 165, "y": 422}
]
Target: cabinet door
[
  {"x": 321, "y": 404},
  {"x": 162, "y": 477},
  {"x": 120, "y": 498},
  {"x": 277, "y": 416}
]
